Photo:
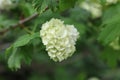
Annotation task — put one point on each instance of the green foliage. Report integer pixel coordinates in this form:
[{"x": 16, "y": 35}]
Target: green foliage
[
  {"x": 40, "y": 5},
  {"x": 81, "y": 76},
  {"x": 111, "y": 57},
  {"x": 110, "y": 32},
  {"x": 22, "y": 40},
  {"x": 94, "y": 53},
  {"x": 25, "y": 39},
  {"x": 27, "y": 9},
  {"x": 5, "y": 22},
  {"x": 16, "y": 54},
  {"x": 66, "y": 4},
  {"x": 111, "y": 24},
  {"x": 14, "y": 59}
]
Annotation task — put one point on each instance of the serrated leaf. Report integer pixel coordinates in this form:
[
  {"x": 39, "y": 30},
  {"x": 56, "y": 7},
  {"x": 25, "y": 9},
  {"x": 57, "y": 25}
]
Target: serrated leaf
[
  {"x": 14, "y": 59},
  {"x": 41, "y": 5},
  {"x": 17, "y": 56},
  {"x": 25, "y": 39}
]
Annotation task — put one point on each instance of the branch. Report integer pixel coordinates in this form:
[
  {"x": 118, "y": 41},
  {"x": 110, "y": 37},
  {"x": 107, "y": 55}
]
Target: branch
[
  {"x": 19, "y": 23},
  {"x": 22, "y": 22}
]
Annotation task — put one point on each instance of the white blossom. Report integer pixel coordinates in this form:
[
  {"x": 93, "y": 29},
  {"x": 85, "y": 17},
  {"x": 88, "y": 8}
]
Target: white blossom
[
  {"x": 5, "y": 4},
  {"x": 111, "y": 1},
  {"x": 93, "y": 78},
  {"x": 59, "y": 39},
  {"x": 94, "y": 8}
]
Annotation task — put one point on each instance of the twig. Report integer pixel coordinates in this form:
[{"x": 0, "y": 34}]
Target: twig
[{"x": 19, "y": 23}]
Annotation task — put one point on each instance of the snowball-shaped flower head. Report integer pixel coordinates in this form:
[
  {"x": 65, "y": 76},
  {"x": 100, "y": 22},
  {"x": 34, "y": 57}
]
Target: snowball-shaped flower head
[
  {"x": 59, "y": 39},
  {"x": 5, "y": 4}
]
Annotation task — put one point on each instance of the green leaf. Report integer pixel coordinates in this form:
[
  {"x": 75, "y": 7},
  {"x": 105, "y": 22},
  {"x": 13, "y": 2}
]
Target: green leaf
[
  {"x": 111, "y": 25},
  {"x": 109, "y": 33},
  {"x": 5, "y": 22},
  {"x": 110, "y": 56},
  {"x": 17, "y": 55},
  {"x": 35, "y": 35},
  {"x": 41, "y": 5},
  {"x": 8, "y": 51},
  {"x": 66, "y": 4},
  {"x": 111, "y": 12},
  {"x": 25, "y": 39},
  {"x": 27, "y": 52},
  {"x": 27, "y": 9},
  {"x": 14, "y": 59}
]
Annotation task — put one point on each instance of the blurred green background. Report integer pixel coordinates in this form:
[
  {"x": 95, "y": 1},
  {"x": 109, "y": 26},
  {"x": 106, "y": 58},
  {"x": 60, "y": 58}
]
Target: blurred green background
[{"x": 97, "y": 55}]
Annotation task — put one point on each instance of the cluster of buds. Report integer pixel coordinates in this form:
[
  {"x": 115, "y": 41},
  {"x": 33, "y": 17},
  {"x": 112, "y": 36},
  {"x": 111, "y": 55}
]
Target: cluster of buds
[{"x": 59, "y": 39}]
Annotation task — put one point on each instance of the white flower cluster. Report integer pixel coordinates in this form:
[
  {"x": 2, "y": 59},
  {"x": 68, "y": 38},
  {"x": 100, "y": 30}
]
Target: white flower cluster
[
  {"x": 111, "y": 1},
  {"x": 94, "y": 8},
  {"x": 5, "y": 4},
  {"x": 59, "y": 39}
]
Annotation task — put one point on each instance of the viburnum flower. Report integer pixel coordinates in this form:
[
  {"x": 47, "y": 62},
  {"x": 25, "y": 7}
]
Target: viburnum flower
[
  {"x": 59, "y": 39},
  {"x": 5, "y": 4},
  {"x": 111, "y": 1},
  {"x": 94, "y": 8}
]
